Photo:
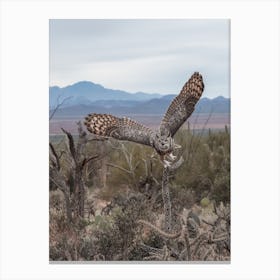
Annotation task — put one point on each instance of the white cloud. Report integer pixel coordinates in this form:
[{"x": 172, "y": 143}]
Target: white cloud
[{"x": 140, "y": 55}]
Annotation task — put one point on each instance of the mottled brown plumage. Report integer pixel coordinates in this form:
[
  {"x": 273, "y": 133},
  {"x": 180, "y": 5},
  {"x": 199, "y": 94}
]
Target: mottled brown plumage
[
  {"x": 119, "y": 128},
  {"x": 183, "y": 104},
  {"x": 161, "y": 140}
]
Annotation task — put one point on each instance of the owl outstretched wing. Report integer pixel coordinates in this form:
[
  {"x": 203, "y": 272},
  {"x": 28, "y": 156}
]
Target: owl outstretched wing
[
  {"x": 183, "y": 104},
  {"x": 119, "y": 128}
]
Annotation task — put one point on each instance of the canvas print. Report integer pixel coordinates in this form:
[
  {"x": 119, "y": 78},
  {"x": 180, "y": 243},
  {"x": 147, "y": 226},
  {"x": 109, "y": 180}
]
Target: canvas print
[{"x": 139, "y": 140}]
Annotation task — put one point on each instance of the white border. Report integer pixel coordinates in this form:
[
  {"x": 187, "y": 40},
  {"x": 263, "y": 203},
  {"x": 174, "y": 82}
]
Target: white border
[{"x": 254, "y": 126}]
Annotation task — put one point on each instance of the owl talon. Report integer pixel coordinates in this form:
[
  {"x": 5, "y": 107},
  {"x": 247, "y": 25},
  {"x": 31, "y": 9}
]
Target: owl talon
[
  {"x": 166, "y": 164},
  {"x": 171, "y": 157}
]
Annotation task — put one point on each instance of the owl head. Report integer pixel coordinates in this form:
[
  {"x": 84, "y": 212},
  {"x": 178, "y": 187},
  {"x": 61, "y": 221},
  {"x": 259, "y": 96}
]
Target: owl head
[{"x": 163, "y": 142}]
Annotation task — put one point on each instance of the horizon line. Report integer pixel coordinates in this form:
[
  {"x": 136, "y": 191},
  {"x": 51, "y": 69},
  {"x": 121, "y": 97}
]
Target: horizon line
[{"x": 137, "y": 92}]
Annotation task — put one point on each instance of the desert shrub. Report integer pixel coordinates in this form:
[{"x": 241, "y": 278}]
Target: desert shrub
[
  {"x": 131, "y": 189},
  {"x": 205, "y": 202},
  {"x": 127, "y": 163},
  {"x": 116, "y": 234},
  {"x": 182, "y": 197},
  {"x": 221, "y": 188},
  {"x": 207, "y": 166}
]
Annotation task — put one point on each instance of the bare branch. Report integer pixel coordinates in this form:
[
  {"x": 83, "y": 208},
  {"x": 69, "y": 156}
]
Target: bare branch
[
  {"x": 119, "y": 167},
  {"x": 207, "y": 223},
  {"x": 158, "y": 230},
  {"x": 87, "y": 160},
  {"x": 59, "y": 104},
  {"x": 55, "y": 155},
  {"x": 71, "y": 144},
  {"x": 60, "y": 183}
]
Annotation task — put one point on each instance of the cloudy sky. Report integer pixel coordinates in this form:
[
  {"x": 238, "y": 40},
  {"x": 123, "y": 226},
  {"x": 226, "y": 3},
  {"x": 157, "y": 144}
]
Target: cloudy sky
[{"x": 153, "y": 56}]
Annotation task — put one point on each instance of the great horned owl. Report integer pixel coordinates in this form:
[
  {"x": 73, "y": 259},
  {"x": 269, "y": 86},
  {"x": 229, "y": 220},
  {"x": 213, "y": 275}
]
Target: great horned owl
[{"x": 161, "y": 139}]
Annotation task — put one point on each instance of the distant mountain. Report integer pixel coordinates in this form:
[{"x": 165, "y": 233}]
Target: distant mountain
[
  {"x": 155, "y": 106},
  {"x": 85, "y": 97},
  {"x": 86, "y": 93},
  {"x": 219, "y": 104}
]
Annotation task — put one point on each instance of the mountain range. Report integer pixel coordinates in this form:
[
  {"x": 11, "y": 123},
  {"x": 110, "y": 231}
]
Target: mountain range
[
  {"x": 88, "y": 92},
  {"x": 86, "y": 97}
]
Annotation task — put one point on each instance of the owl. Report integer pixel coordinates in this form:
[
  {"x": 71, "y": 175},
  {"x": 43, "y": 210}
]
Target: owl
[{"x": 162, "y": 139}]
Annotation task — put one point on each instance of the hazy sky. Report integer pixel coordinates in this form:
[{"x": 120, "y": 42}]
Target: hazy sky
[{"x": 153, "y": 56}]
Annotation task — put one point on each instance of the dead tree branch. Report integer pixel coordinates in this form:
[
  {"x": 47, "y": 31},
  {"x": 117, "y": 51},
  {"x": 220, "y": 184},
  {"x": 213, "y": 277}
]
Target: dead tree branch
[{"x": 59, "y": 104}]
